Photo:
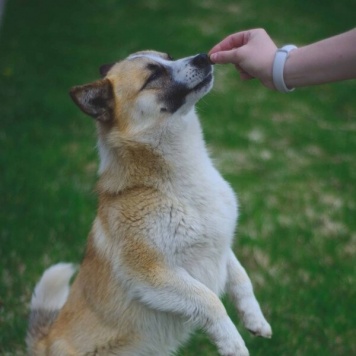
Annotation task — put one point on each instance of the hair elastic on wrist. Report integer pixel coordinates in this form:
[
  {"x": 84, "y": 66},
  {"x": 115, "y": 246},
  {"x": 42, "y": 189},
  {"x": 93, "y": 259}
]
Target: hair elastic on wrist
[{"x": 278, "y": 68}]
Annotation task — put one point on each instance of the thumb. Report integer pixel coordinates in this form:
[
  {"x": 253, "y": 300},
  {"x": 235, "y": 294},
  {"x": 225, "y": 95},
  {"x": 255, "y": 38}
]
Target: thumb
[{"x": 224, "y": 57}]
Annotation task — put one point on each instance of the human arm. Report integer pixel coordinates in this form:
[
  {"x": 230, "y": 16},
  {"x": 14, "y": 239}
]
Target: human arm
[
  {"x": 329, "y": 60},
  {"x": 252, "y": 52}
]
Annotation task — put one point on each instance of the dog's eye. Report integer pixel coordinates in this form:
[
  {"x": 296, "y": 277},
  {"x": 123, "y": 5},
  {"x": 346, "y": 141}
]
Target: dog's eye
[{"x": 156, "y": 72}]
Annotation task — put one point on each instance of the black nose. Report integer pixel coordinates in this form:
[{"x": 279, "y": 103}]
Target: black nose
[{"x": 201, "y": 60}]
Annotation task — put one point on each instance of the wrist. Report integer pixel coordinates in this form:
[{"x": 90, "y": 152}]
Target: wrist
[{"x": 278, "y": 68}]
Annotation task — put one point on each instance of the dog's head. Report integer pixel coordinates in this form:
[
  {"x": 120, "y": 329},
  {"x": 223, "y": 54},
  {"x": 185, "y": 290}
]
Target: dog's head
[{"x": 144, "y": 88}]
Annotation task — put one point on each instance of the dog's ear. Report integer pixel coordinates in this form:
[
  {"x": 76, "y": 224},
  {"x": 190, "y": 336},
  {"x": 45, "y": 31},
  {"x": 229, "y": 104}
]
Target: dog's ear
[
  {"x": 95, "y": 99},
  {"x": 105, "y": 68}
]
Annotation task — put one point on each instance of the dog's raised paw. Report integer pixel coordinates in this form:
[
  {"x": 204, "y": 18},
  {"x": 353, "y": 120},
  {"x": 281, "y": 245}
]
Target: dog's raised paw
[
  {"x": 258, "y": 326},
  {"x": 241, "y": 351},
  {"x": 253, "y": 318},
  {"x": 228, "y": 340}
]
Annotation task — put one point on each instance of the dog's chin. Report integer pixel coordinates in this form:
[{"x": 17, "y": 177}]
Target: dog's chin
[
  {"x": 180, "y": 98},
  {"x": 195, "y": 95},
  {"x": 205, "y": 85},
  {"x": 197, "y": 92}
]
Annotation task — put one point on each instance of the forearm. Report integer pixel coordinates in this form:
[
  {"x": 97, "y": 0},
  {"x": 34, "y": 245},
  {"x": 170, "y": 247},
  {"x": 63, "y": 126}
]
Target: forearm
[{"x": 329, "y": 60}]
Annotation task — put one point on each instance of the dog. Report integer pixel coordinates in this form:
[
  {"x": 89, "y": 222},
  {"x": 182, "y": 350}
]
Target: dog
[{"x": 159, "y": 255}]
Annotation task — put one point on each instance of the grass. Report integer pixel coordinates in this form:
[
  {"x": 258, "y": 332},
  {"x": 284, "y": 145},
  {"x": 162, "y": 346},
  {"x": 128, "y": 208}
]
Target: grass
[{"x": 290, "y": 158}]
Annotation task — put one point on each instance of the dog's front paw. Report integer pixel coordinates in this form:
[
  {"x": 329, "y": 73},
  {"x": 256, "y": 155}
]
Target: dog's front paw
[
  {"x": 258, "y": 326},
  {"x": 233, "y": 350},
  {"x": 253, "y": 318},
  {"x": 255, "y": 322},
  {"x": 227, "y": 339}
]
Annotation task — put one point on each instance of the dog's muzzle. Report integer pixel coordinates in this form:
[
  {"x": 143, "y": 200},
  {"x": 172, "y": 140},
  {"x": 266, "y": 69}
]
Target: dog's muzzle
[{"x": 202, "y": 60}]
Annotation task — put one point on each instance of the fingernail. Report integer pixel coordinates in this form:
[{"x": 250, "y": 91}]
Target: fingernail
[{"x": 213, "y": 57}]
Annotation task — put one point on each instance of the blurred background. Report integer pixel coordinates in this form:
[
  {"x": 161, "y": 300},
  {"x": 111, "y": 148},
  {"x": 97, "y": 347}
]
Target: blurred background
[{"x": 290, "y": 158}]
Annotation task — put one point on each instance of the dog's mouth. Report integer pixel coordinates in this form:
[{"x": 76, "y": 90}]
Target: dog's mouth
[
  {"x": 180, "y": 94},
  {"x": 204, "y": 82}
]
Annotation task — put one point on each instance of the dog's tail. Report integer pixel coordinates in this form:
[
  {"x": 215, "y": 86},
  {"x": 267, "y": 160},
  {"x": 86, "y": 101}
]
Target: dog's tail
[{"x": 49, "y": 296}]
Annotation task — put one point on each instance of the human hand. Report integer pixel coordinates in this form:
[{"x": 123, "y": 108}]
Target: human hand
[{"x": 252, "y": 52}]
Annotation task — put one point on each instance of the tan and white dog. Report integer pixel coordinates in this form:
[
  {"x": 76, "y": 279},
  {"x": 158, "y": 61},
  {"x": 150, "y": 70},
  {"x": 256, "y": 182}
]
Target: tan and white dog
[{"x": 159, "y": 252}]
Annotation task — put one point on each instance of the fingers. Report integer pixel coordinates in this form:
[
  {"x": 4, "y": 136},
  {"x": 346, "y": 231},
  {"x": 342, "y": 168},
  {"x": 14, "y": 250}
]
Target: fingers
[
  {"x": 224, "y": 57},
  {"x": 232, "y": 41},
  {"x": 227, "y": 50}
]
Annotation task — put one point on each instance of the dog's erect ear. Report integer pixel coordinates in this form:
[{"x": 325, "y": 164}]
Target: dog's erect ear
[
  {"x": 105, "y": 68},
  {"x": 95, "y": 99}
]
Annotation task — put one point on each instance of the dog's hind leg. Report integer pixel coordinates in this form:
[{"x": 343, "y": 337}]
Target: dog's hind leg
[{"x": 240, "y": 289}]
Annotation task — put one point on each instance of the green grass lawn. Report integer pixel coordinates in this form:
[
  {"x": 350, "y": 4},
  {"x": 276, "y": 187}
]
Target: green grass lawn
[{"x": 290, "y": 158}]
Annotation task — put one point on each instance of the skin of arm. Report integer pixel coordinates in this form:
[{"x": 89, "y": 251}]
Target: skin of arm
[
  {"x": 329, "y": 60},
  {"x": 252, "y": 52}
]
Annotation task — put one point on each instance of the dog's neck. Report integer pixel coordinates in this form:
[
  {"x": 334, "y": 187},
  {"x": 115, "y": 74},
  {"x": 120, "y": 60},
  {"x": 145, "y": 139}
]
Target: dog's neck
[{"x": 169, "y": 156}]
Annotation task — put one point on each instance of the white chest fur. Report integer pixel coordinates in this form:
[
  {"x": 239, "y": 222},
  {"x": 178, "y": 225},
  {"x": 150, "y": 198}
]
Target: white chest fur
[{"x": 205, "y": 213}]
